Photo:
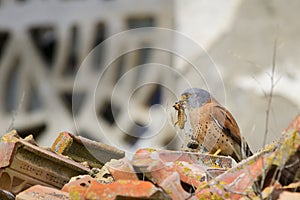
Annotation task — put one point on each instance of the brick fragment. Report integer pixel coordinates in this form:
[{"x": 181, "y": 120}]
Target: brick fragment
[
  {"x": 23, "y": 164},
  {"x": 39, "y": 192},
  {"x": 80, "y": 149}
]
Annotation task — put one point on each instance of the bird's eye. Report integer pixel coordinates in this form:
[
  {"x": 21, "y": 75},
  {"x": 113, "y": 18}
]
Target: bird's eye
[{"x": 185, "y": 96}]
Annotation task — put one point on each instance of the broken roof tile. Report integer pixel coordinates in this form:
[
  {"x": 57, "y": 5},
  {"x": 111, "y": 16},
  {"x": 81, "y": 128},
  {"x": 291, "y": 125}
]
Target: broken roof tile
[
  {"x": 191, "y": 167},
  {"x": 173, "y": 178},
  {"x": 121, "y": 169},
  {"x": 238, "y": 181},
  {"x": 191, "y": 174},
  {"x": 28, "y": 164},
  {"x": 172, "y": 185},
  {"x": 77, "y": 186},
  {"x": 81, "y": 149},
  {"x": 86, "y": 187},
  {"x": 125, "y": 189},
  {"x": 39, "y": 192},
  {"x": 163, "y": 174},
  {"x": 207, "y": 160}
]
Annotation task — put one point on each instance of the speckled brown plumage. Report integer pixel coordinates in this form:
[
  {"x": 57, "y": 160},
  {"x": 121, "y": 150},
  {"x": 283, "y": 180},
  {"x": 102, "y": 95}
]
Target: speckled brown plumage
[{"x": 213, "y": 126}]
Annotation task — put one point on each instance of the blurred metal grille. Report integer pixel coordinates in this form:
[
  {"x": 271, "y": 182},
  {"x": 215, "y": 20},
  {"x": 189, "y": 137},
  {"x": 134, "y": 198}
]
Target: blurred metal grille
[{"x": 43, "y": 43}]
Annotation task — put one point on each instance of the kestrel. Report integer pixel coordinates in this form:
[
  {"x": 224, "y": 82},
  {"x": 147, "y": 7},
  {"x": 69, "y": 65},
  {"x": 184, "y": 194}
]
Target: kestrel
[{"x": 213, "y": 125}]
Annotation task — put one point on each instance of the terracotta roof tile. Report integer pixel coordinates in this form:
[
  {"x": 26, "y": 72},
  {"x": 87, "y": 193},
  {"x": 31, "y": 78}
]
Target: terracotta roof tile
[
  {"x": 121, "y": 169},
  {"x": 27, "y": 164},
  {"x": 152, "y": 173},
  {"x": 78, "y": 186},
  {"x": 39, "y": 192},
  {"x": 124, "y": 188},
  {"x": 80, "y": 149}
]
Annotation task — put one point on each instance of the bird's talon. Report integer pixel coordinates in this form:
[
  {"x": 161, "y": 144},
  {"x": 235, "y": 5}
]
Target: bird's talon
[
  {"x": 193, "y": 145},
  {"x": 217, "y": 152}
]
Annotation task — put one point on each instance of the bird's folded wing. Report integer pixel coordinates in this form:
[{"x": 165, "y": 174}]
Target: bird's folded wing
[{"x": 226, "y": 122}]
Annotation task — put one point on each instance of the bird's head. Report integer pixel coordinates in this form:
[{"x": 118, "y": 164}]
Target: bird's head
[{"x": 195, "y": 97}]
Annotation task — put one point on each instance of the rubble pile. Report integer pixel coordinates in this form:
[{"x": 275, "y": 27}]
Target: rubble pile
[{"x": 78, "y": 168}]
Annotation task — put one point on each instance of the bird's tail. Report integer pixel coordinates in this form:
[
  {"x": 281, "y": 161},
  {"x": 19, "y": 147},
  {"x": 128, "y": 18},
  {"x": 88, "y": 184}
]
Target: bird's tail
[{"x": 246, "y": 151}]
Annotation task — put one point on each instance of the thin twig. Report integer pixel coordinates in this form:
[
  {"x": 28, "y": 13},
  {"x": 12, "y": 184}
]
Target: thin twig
[
  {"x": 270, "y": 97},
  {"x": 261, "y": 87}
]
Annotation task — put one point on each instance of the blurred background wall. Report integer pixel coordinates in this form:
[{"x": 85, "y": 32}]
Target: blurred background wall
[{"x": 43, "y": 44}]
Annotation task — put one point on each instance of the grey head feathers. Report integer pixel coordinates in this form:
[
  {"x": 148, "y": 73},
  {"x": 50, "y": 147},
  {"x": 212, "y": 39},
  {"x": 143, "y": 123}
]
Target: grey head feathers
[{"x": 196, "y": 97}]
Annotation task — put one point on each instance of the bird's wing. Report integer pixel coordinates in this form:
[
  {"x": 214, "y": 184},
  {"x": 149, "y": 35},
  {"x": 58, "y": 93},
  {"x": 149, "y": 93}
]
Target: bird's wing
[{"x": 226, "y": 122}]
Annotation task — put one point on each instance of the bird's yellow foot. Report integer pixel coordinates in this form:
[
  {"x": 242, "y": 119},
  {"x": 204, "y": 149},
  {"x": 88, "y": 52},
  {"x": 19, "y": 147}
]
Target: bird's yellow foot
[{"x": 217, "y": 152}]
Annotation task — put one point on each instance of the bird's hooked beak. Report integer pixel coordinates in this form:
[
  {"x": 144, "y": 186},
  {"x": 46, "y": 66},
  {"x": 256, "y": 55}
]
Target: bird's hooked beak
[{"x": 184, "y": 98}]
